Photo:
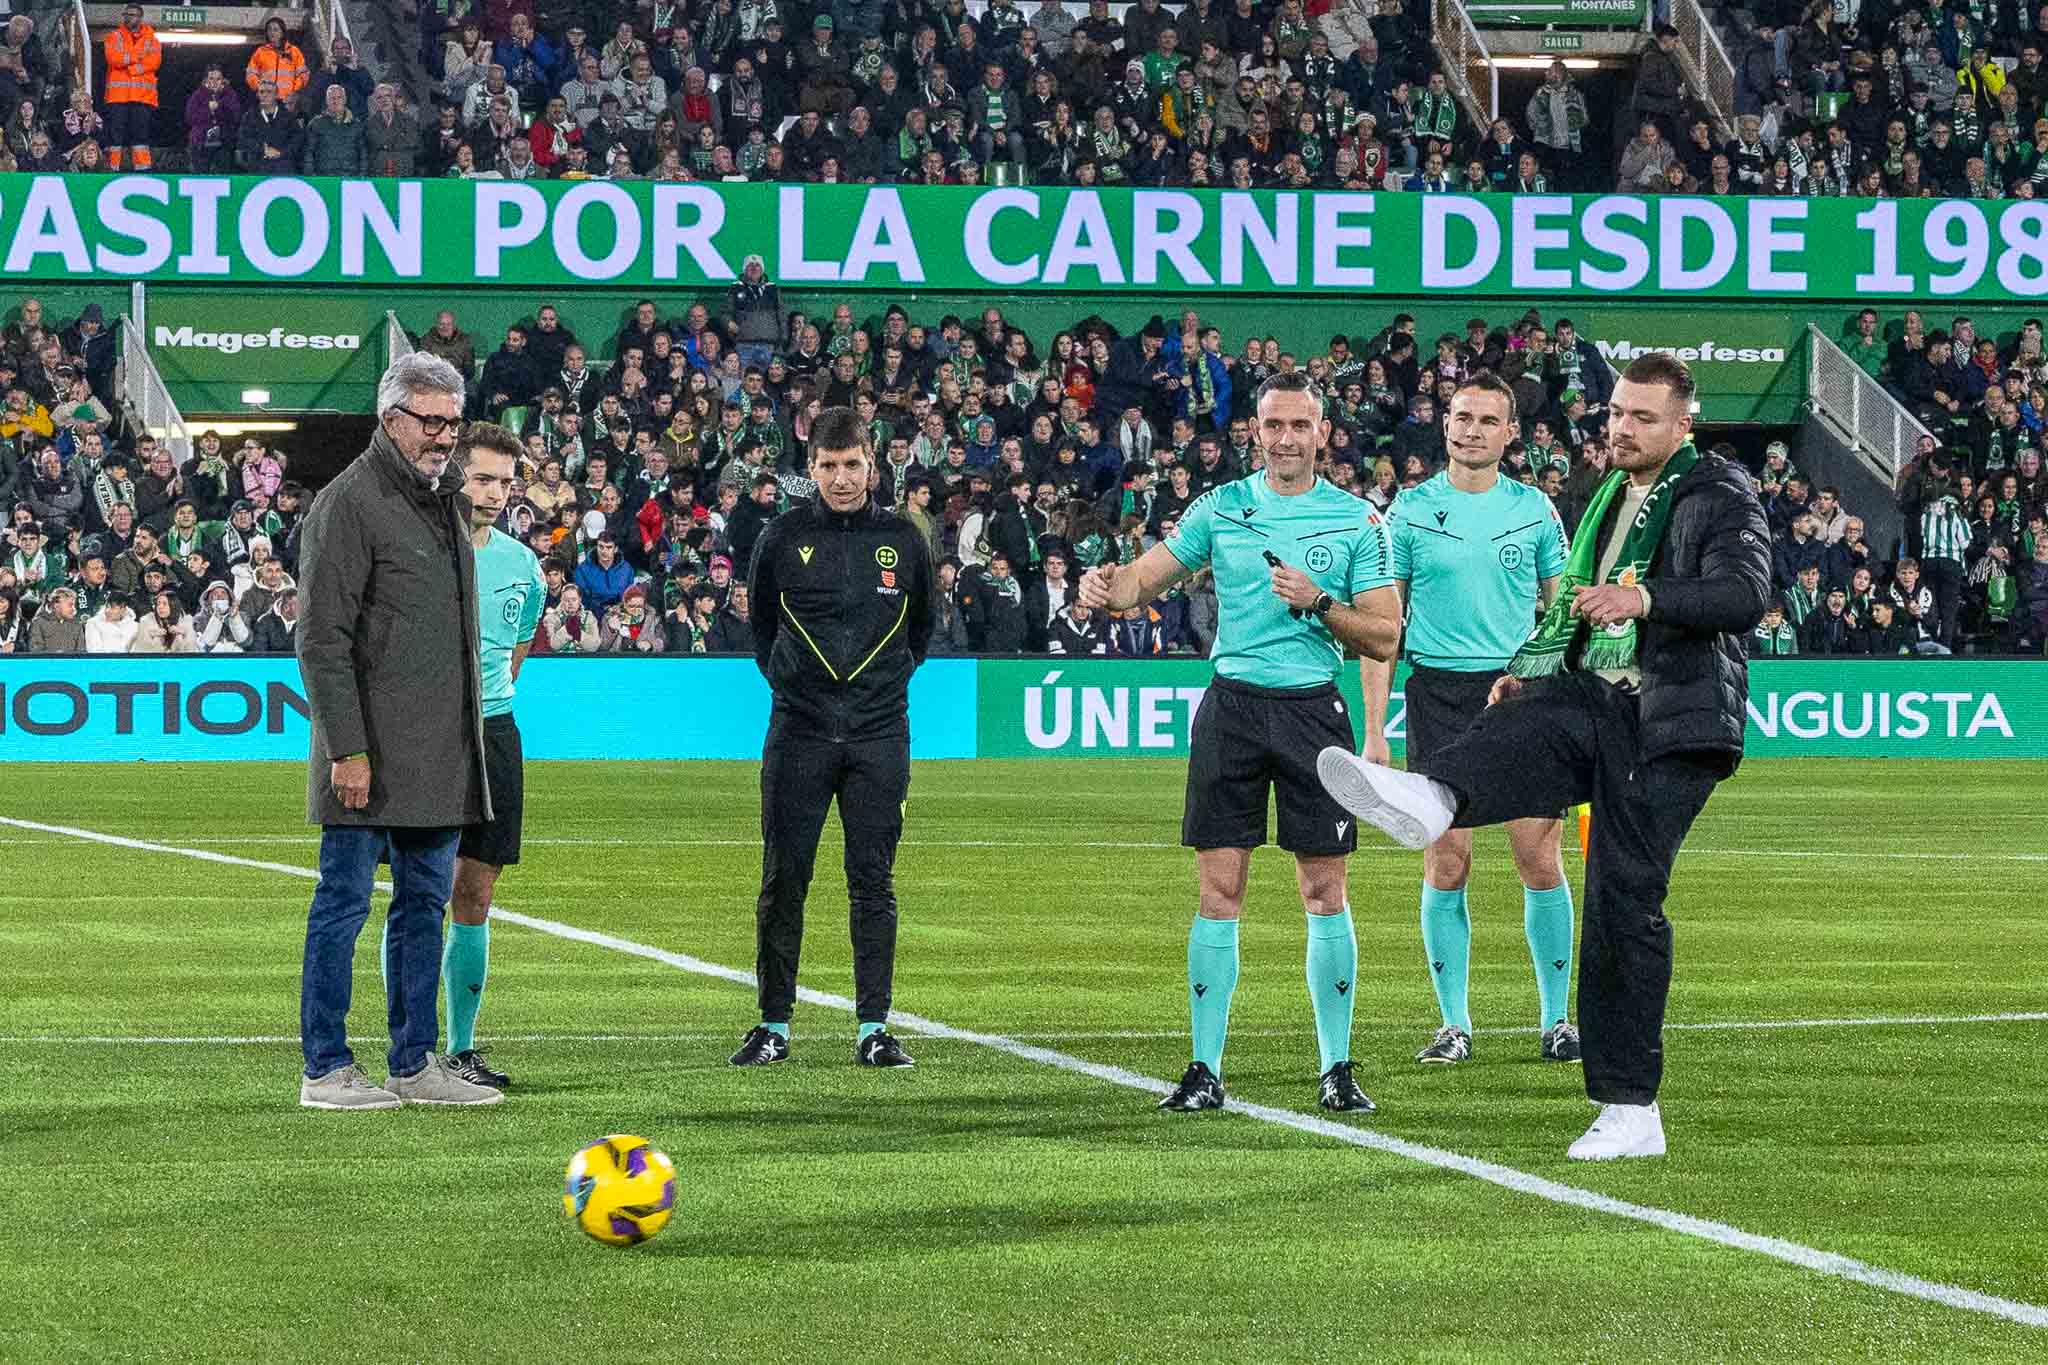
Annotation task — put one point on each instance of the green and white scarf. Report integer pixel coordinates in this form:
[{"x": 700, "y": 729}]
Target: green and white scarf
[{"x": 1613, "y": 647}]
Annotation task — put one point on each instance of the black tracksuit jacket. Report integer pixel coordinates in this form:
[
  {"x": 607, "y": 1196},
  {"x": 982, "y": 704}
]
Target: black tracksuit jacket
[{"x": 842, "y": 608}]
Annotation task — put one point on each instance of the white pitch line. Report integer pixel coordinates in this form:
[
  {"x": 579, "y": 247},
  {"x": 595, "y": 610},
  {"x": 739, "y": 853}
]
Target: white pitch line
[
  {"x": 1107, "y": 1035},
  {"x": 1375, "y": 850},
  {"x": 1506, "y": 1177}
]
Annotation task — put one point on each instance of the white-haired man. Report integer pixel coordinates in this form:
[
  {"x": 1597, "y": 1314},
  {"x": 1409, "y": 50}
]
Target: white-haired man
[{"x": 387, "y": 644}]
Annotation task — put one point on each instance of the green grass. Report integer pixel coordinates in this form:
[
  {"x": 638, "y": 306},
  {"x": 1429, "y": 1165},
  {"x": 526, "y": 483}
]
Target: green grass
[{"x": 173, "y": 1202}]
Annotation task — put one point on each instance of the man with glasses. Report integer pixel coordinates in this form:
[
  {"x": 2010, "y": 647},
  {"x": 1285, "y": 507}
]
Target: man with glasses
[{"x": 388, "y": 647}]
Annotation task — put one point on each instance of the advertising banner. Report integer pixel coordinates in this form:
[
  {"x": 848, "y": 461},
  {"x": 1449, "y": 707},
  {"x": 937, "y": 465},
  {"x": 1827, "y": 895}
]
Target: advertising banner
[
  {"x": 123, "y": 708},
  {"x": 1821, "y": 708},
  {"x": 309, "y": 350},
  {"x": 470, "y": 233},
  {"x": 1569, "y": 13},
  {"x": 1100, "y": 708}
]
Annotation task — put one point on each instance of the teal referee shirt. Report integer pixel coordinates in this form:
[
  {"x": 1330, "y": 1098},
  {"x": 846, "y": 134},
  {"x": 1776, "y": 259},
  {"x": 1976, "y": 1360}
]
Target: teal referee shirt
[
  {"x": 1339, "y": 541},
  {"x": 510, "y": 593},
  {"x": 1474, "y": 564}
]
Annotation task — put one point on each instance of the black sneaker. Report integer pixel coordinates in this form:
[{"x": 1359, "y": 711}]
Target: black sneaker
[
  {"x": 1561, "y": 1044},
  {"x": 1198, "y": 1089},
  {"x": 881, "y": 1049},
  {"x": 1450, "y": 1046},
  {"x": 761, "y": 1046},
  {"x": 469, "y": 1064},
  {"x": 1341, "y": 1093}
]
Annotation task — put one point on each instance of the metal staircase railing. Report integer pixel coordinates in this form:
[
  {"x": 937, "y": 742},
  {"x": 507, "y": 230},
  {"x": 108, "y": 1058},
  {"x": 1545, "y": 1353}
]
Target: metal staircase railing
[
  {"x": 78, "y": 36},
  {"x": 330, "y": 21},
  {"x": 1862, "y": 411},
  {"x": 1467, "y": 65},
  {"x": 145, "y": 396},
  {"x": 397, "y": 344},
  {"x": 1704, "y": 60}
]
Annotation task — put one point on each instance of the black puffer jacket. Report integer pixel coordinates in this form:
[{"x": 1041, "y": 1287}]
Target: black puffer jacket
[{"x": 1708, "y": 586}]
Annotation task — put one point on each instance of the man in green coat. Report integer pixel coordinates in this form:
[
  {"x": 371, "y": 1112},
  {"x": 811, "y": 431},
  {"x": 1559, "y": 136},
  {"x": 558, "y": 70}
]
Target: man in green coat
[
  {"x": 334, "y": 140},
  {"x": 387, "y": 645}
]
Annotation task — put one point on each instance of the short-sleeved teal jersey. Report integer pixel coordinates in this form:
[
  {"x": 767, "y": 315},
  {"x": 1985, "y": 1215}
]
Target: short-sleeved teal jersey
[
  {"x": 1339, "y": 541},
  {"x": 1474, "y": 565},
  {"x": 509, "y": 594}
]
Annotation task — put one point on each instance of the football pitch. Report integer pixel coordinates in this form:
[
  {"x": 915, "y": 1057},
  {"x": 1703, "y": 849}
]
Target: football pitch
[{"x": 1856, "y": 1096}]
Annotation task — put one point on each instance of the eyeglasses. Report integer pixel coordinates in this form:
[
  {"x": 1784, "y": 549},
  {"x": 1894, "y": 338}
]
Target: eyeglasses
[{"x": 431, "y": 426}]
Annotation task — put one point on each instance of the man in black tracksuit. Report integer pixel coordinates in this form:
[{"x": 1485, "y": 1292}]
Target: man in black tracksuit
[
  {"x": 842, "y": 607},
  {"x": 1646, "y": 744}
]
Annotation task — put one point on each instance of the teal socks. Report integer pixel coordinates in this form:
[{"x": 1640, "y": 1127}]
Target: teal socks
[
  {"x": 1447, "y": 940},
  {"x": 465, "y": 960},
  {"x": 861, "y": 1037},
  {"x": 782, "y": 1031},
  {"x": 1332, "y": 975},
  {"x": 1212, "y": 978},
  {"x": 1547, "y": 920}
]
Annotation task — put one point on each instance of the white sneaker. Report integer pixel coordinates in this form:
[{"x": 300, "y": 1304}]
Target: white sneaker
[
  {"x": 1622, "y": 1130},
  {"x": 1414, "y": 809},
  {"x": 438, "y": 1083}
]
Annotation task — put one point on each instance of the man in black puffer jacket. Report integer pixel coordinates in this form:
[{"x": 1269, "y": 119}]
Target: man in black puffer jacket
[{"x": 1643, "y": 729}]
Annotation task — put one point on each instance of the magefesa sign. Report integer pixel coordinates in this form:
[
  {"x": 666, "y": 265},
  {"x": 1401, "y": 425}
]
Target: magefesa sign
[{"x": 287, "y": 230}]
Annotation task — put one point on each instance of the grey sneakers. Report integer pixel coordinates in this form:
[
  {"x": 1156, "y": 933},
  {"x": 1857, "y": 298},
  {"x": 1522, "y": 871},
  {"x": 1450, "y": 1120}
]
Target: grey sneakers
[
  {"x": 345, "y": 1087},
  {"x": 438, "y": 1083},
  {"x": 435, "y": 1083}
]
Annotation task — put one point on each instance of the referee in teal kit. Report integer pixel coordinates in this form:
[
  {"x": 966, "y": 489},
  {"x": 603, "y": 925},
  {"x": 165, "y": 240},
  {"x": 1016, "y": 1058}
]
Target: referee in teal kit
[
  {"x": 1477, "y": 556},
  {"x": 1302, "y": 574}
]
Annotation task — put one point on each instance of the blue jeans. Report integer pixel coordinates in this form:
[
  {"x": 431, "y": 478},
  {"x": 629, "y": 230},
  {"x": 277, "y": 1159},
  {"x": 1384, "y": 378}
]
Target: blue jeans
[{"x": 422, "y": 877}]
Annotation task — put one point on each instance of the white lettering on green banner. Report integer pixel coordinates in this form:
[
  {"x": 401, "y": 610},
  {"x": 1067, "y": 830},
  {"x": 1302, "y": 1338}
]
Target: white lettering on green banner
[{"x": 240, "y": 230}]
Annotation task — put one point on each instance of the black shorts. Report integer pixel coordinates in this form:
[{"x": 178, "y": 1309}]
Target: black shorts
[
  {"x": 496, "y": 840},
  {"x": 1247, "y": 739},
  {"x": 1441, "y": 705}
]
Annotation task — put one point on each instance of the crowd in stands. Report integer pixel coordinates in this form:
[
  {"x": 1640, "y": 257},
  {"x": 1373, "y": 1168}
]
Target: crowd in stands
[
  {"x": 111, "y": 545},
  {"x": 1027, "y": 459},
  {"x": 1023, "y": 458},
  {"x": 1973, "y": 494},
  {"x": 1837, "y": 97}
]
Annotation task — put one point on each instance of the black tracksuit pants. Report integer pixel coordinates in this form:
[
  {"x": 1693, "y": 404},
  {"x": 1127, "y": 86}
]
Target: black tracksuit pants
[
  {"x": 1574, "y": 738},
  {"x": 800, "y": 775}
]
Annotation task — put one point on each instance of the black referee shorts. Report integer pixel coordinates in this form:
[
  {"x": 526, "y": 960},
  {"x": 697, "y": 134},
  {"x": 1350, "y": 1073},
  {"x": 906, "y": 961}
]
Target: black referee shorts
[
  {"x": 496, "y": 841},
  {"x": 1249, "y": 739},
  {"x": 1442, "y": 703}
]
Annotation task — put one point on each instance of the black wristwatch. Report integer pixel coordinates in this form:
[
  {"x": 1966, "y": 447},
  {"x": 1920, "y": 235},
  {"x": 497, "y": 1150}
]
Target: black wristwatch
[{"x": 1321, "y": 606}]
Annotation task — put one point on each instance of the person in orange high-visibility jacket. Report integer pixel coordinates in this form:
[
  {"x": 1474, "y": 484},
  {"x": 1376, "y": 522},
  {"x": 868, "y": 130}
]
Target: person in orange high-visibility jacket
[
  {"x": 279, "y": 62},
  {"x": 133, "y": 56}
]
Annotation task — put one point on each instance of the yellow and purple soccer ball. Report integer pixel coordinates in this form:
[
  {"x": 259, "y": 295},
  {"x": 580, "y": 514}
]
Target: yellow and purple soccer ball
[{"x": 620, "y": 1190}]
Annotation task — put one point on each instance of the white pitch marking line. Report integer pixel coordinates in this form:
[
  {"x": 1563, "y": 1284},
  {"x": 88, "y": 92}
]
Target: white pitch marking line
[
  {"x": 311, "y": 840},
  {"x": 1111, "y": 1035},
  {"x": 1508, "y": 1178}
]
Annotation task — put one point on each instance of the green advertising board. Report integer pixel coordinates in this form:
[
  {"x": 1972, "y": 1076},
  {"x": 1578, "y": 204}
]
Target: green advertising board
[
  {"x": 1546, "y": 13},
  {"x": 307, "y": 350},
  {"x": 287, "y": 231},
  {"x": 1876, "y": 708}
]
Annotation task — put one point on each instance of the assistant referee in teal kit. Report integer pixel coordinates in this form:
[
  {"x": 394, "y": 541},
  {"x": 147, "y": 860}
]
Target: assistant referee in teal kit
[{"x": 1477, "y": 556}]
